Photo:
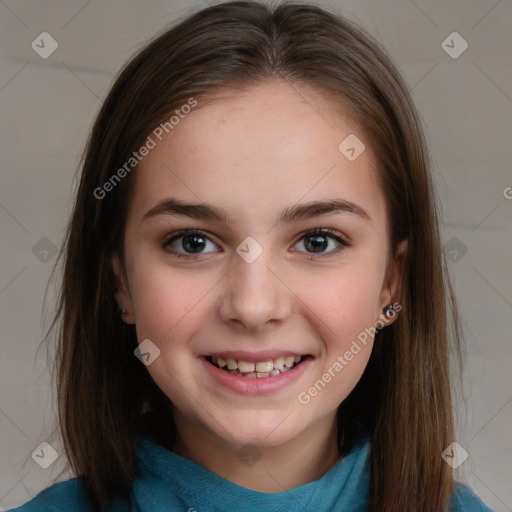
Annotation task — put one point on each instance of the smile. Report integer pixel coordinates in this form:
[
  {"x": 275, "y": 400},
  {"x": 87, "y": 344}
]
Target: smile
[{"x": 259, "y": 369}]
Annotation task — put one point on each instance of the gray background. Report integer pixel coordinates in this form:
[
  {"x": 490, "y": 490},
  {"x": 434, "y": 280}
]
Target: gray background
[{"x": 47, "y": 107}]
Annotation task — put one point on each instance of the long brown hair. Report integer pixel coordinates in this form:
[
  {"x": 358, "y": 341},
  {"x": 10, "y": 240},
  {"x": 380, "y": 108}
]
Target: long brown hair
[{"x": 403, "y": 400}]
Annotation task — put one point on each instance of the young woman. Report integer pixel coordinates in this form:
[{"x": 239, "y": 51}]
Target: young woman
[{"x": 253, "y": 313}]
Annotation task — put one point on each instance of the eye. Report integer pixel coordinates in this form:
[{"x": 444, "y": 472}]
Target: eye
[
  {"x": 317, "y": 240},
  {"x": 192, "y": 242}
]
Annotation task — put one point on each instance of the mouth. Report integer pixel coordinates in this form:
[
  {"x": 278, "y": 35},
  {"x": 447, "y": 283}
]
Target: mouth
[{"x": 258, "y": 369}]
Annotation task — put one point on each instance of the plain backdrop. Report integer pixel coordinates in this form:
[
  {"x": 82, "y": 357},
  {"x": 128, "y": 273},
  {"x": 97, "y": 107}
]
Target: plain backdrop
[{"x": 48, "y": 105}]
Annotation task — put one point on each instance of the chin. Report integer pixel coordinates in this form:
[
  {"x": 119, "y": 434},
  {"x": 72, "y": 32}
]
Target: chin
[{"x": 259, "y": 429}]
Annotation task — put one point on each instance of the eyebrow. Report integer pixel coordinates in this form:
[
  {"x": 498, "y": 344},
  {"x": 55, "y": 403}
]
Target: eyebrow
[{"x": 203, "y": 211}]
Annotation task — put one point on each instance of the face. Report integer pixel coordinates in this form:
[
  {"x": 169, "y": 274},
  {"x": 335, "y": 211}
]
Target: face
[{"x": 254, "y": 282}]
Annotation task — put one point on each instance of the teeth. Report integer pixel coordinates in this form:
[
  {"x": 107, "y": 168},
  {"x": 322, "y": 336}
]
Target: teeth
[
  {"x": 289, "y": 361},
  {"x": 259, "y": 369},
  {"x": 278, "y": 363},
  {"x": 264, "y": 366},
  {"x": 247, "y": 367}
]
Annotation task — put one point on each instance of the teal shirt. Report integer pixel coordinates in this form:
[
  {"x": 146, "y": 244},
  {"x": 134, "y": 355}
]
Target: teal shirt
[{"x": 167, "y": 482}]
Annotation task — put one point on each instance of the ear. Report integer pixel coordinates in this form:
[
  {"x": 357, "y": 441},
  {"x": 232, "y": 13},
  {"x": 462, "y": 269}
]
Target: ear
[
  {"x": 391, "y": 290},
  {"x": 122, "y": 294}
]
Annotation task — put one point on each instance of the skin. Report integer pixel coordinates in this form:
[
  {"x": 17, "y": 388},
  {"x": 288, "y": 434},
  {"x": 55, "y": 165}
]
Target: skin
[{"x": 254, "y": 153}]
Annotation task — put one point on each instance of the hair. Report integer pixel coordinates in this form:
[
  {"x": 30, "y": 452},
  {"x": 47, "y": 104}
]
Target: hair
[{"x": 403, "y": 399}]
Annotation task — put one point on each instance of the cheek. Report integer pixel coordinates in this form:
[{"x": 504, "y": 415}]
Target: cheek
[
  {"x": 341, "y": 306},
  {"x": 165, "y": 301},
  {"x": 342, "y": 303},
  {"x": 345, "y": 318}
]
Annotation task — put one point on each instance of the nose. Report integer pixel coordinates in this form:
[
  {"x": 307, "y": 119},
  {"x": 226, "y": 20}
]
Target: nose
[{"x": 254, "y": 295}]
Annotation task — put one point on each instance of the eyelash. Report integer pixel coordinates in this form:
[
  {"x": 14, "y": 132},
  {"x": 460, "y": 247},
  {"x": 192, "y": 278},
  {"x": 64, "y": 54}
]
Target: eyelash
[{"x": 327, "y": 232}]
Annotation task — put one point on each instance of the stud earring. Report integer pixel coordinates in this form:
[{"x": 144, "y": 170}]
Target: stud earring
[
  {"x": 389, "y": 311},
  {"x": 123, "y": 312}
]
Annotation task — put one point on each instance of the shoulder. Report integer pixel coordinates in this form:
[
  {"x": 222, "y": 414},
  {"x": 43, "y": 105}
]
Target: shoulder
[
  {"x": 60, "y": 497},
  {"x": 464, "y": 500}
]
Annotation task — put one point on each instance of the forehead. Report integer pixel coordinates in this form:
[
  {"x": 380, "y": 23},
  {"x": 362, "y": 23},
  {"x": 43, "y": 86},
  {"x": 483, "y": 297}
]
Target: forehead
[{"x": 253, "y": 151}]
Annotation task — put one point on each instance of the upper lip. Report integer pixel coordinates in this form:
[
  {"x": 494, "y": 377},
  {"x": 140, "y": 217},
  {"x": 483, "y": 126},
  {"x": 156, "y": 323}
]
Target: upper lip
[{"x": 264, "y": 355}]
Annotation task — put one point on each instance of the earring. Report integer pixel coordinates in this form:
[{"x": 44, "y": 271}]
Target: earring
[
  {"x": 388, "y": 311},
  {"x": 123, "y": 312}
]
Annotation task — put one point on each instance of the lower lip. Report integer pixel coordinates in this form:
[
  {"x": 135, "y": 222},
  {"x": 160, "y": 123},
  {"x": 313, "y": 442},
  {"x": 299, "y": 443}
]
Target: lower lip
[{"x": 256, "y": 385}]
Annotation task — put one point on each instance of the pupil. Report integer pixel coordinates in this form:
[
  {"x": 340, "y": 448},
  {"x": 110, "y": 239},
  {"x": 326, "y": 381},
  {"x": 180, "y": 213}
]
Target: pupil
[
  {"x": 316, "y": 244},
  {"x": 192, "y": 246}
]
